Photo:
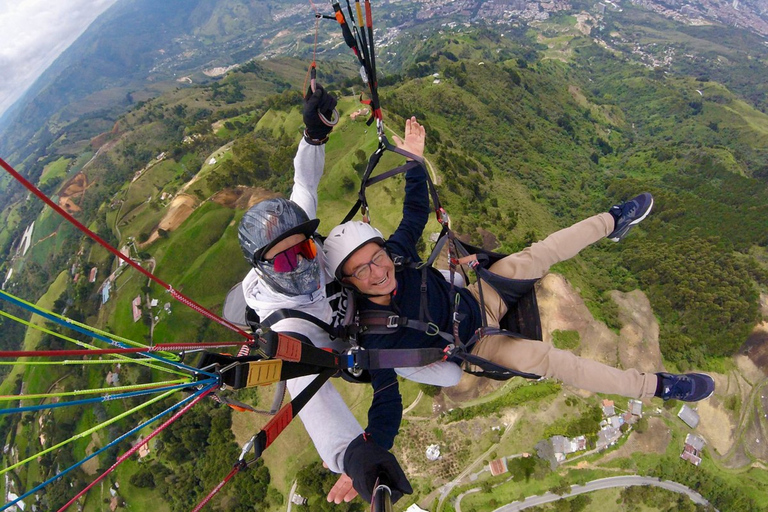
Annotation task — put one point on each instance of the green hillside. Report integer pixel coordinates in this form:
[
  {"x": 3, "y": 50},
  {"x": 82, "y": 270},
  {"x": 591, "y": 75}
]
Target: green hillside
[{"x": 527, "y": 133}]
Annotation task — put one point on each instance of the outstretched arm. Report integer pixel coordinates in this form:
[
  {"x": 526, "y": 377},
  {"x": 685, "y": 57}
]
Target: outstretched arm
[
  {"x": 328, "y": 421},
  {"x": 416, "y": 208},
  {"x": 310, "y": 158},
  {"x": 308, "y": 167}
]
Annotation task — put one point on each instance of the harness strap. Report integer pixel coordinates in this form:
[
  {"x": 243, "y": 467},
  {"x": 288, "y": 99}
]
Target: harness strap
[
  {"x": 283, "y": 314},
  {"x": 277, "y": 424},
  {"x": 491, "y": 369},
  {"x": 384, "y": 322},
  {"x": 424, "y": 298},
  {"x": 453, "y": 263},
  {"x": 398, "y": 358},
  {"x": 367, "y": 180}
]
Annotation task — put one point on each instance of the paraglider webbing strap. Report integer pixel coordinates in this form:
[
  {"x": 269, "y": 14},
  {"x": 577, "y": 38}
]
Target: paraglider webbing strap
[
  {"x": 489, "y": 368},
  {"x": 368, "y": 180},
  {"x": 267, "y": 435},
  {"x": 398, "y": 358},
  {"x": 296, "y": 359},
  {"x": 277, "y": 424},
  {"x": 288, "y": 347},
  {"x": 282, "y": 356},
  {"x": 386, "y": 322}
]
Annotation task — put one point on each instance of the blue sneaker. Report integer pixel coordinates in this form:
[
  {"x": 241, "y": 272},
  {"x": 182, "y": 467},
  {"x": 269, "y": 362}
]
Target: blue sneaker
[
  {"x": 630, "y": 213},
  {"x": 690, "y": 387}
]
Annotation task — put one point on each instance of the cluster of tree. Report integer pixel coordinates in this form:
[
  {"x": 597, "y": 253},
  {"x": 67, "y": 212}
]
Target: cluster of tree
[
  {"x": 586, "y": 424},
  {"x": 258, "y": 159},
  {"x": 705, "y": 298},
  {"x": 523, "y": 468},
  {"x": 633, "y": 498},
  {"x": 575, "y": 504},
  {"x": 229, "y": 91},
  {"x": 193, "y": 457},
  {"x": 718, "y": 491}
]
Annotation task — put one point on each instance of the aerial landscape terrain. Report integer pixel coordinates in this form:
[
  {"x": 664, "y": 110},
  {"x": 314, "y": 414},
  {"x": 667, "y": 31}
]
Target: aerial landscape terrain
[{"x": 165, "y": 121}]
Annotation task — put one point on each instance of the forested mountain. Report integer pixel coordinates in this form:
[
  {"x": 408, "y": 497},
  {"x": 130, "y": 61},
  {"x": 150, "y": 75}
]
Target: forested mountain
[
  {"x": 134, "y": 51},
  {"x": 529, "y": 129}
]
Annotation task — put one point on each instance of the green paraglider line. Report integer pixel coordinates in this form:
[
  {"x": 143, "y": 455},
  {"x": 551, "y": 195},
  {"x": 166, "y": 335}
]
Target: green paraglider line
[
  {"x": 117, "y": 358},
  {"x": 110, "y": 390},
  {"x": 90, "y": 431},
  {"x": 83, "y": 329}
]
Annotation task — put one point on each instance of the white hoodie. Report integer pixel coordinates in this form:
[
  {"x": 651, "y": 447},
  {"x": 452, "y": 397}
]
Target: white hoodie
[{"x": 326, "y": 417}]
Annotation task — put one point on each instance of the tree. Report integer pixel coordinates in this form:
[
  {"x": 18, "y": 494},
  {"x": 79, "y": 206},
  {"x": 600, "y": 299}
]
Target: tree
[
  {"x": 560, "y": 488},
  {"x": 143, "y": 479}
]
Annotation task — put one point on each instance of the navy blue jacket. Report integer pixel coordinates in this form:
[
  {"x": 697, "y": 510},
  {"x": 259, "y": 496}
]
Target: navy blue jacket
[{"x": 387, "y": 408}]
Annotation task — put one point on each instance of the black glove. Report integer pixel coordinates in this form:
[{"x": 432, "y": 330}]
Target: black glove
[
  {"x": 365, "y": 461},
  {"x": 318, "y": 102}
]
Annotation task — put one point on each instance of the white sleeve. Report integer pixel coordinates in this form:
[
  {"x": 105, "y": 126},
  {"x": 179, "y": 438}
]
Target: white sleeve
[
  {"x": 442, "y": 373},
  {"x": 307, "y": 170},
  {"x": 328, "y": 421},
  {"x": 326, "y": 417}
]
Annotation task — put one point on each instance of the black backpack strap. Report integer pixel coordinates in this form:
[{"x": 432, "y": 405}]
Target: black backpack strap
[
  {"x": 489, "y": 369},
  {"x": 282, "y": 314}
]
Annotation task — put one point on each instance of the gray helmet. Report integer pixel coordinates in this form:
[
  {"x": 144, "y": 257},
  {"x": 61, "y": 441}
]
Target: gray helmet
[{"x": 269, "y": 222}]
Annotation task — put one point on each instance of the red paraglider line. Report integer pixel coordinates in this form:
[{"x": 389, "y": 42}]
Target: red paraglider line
[
  {"x": 133, "y": 450},
  {"x": 177, "y": 295}
]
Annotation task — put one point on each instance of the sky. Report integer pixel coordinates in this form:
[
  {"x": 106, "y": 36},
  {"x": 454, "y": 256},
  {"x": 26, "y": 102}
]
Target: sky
[{"x": 33, "y": 33}]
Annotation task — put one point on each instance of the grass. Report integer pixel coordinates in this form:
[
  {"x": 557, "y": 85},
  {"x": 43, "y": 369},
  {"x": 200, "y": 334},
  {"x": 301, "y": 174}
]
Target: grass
[
  {"x": 138, "y": 499},
  {"x": 12, "y": 218},
  {"x": 55, "y": 169},
  {"x": 33, "y": 336},
  {"x": 565, "y": 340},
  {"x": 80, "y": 161},
  {"x": 149, "y": 185},
  {"x": 206, "y": 245}
]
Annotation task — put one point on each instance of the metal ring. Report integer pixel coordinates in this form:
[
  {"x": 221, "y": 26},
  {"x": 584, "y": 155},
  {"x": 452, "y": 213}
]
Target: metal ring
[{"x": 330, "y": 122}]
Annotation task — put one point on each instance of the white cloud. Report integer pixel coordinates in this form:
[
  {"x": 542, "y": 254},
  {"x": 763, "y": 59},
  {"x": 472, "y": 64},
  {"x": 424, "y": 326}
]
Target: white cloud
[{"x": 33, "y": 33}]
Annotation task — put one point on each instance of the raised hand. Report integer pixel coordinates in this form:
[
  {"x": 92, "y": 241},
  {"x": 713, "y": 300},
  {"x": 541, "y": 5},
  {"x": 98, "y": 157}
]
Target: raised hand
[{"x": 415, "y": 137}]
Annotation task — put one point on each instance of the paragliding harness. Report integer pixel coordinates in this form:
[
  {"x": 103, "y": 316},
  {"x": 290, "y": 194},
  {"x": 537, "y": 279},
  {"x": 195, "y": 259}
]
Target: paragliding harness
[{"x": 521, "y": 320}]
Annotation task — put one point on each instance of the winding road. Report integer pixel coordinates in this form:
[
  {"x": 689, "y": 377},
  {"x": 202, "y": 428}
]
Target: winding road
[{"x": 595, "y": 485}]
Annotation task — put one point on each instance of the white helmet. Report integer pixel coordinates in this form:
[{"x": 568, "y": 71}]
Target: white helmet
[{"x": 344, "y": 240}]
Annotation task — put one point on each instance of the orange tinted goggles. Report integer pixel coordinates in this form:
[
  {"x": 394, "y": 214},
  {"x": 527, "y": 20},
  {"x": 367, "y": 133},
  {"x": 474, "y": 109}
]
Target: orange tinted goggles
[{"x": 288, "y": 260}]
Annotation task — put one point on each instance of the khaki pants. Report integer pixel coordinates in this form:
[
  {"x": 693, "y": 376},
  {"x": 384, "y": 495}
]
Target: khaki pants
[{"x": 541, "y": 358}]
